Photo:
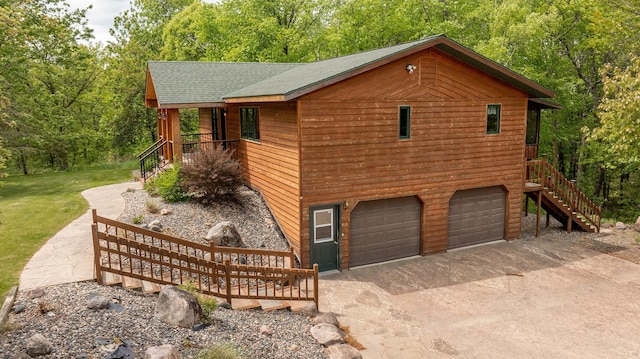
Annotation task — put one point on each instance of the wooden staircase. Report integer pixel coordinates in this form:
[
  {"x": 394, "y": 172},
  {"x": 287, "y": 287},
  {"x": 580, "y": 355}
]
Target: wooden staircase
[
  {"x": 267, "y": 305},
  {"x": 560, "y": 197},
  {"x": 145, "y": 260}
]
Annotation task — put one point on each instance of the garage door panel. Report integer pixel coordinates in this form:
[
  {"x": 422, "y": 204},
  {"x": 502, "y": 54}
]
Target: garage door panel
[
  {"x": 383, "y": 230},
  {"x": 476, "y": 216}
]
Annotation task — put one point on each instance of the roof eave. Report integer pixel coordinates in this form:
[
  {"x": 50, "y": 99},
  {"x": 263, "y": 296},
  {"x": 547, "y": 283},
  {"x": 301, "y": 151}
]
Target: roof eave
[
  {"x": 190, "y": 105},
  {"x": 265, "y": 98},
  {"x": 491, "y": 67}
]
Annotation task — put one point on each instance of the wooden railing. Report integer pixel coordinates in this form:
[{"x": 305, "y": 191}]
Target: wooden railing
[
  {"x": 531, "y": 152},
  {"x": 544, "y": 174},
  {"x": 224, "y": 272},
  {"x": 152, "y": 160},
  {"x": 197, "y": 141}
]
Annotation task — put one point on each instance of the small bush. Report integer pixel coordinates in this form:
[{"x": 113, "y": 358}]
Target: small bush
[
  {"x": 152, "y": 206},
  {"x": 219, "y": 351},
  {"x": 212, "y": 175},
  {"x": 208, "y": 305},
  {"x": 167, "y": 185},
  {"x": 138, "y": 219}
]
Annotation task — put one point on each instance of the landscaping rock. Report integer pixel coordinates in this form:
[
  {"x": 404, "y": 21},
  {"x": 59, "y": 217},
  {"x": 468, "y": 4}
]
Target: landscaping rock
[
  {"x": 36, "y": 293},
  {"x": 225, "y": 305},
  {"x": 178, "y": 307},
  {"x": 343, "y": 351},
  {"x": 620, "y": 226},
  {"x": 265, "y": 330},
  {"x": 18, "y": 308},
  {"x": 38, "y": 345},
  {"x": 327, "y": 334},
  {"x": 165, "y": 212},
  {"x": 225, "y": 234},
  {"x": 162, "y": 352},
  {"x": 122, "y": 352},
  {"x": 329, "y": 318},
  {"x": 155, "y": 226},
  {"x": 637, "y": 225},
  {"x": 98, "y": 302},
  {"x": 309, "y": 309}
]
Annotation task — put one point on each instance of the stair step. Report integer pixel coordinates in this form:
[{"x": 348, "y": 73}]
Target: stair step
[
  {"x": 243, "y": 304},
  {"x": 271, "y": 304},
  {"x": 111, "y": 279},
  {"x": 151, "y": 287},
  {"x": 131, "y": 283}
]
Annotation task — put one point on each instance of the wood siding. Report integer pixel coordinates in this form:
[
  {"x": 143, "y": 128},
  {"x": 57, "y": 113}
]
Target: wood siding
[
  {"x": 351, "y": 149},
  {"x": 272, "y": 165},
  {"x": 204, "y": 117}
]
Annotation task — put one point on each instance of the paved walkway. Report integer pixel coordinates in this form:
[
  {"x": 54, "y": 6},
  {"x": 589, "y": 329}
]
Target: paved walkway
[{"x": 68, "y": 256}]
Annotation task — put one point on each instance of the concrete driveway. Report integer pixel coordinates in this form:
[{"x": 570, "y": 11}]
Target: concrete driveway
[{"x": 530, "y": 298}]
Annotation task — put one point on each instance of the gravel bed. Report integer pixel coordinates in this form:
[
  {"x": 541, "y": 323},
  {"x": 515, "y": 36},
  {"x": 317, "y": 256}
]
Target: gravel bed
[
  {"x": 192, "y": 221},
  {"x": 75, "y": 331}
]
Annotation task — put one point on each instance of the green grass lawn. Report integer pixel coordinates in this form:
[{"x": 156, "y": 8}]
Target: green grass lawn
[{"x": 35, "y": 207}]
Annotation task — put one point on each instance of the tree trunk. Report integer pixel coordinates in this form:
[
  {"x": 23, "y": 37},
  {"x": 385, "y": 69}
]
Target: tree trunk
[{"x": 600, "y": 184}]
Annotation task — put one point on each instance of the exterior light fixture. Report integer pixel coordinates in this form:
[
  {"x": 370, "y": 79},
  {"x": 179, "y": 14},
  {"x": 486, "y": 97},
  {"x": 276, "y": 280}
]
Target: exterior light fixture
[{"x": 410, "y": 68}]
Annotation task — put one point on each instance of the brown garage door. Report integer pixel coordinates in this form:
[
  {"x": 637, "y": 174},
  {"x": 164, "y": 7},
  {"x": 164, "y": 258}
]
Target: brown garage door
[
  {"x": 384, "y": 229},
  {"x": 476, "y": 216}
]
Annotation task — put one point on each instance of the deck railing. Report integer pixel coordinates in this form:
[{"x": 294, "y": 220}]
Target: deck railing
[
  {"x": 544, "y": 174},
  {"x": 198, "y": 141},
  {"x": 134, "y": 252},
  {"x": 152, "y": 160}
]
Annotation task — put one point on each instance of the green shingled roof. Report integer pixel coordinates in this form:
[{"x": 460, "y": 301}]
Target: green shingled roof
[
  {"x": 189, "y": 82},
  {"x": 305, "y": 77},
  {"x": 178, "y": 83}
]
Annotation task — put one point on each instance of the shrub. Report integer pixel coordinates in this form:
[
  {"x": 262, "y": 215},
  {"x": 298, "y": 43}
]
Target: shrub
[
  {"x": 167, "y": 185},
  {"x": 138, "y": 219},
  {"x": 208, "y": 304},
  {"x": 219, "y": 351},
  {"x": 152, "y": 206},
  {"x": 212, "y": 175}
]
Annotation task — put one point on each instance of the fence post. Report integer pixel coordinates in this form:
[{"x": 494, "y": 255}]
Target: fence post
[
  {"x": 227, "y": 277},
  {"x": 316, "y": 295},
  {"x": 96, "y": 252}
]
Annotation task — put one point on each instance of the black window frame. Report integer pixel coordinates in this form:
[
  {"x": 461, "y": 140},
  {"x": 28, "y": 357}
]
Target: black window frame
[
  {"x": 404, "y": 122},
  {"x": 250, "y": 123},
  {"x": 493, "y": 124}
]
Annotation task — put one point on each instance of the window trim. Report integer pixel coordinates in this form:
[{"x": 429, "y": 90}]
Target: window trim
[
  {"x": 317, "y": 240},
  {"x": 408, "y": 120},
  {"x": 499, "y": 119},
  {"x": 251, "y": 134}
]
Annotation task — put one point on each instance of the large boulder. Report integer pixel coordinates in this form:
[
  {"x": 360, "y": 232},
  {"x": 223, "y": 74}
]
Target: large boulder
[
  {"x": 637, "y": 225},
  {"x": 224, "y": 234},
  {"x": 327, "y": 334},
  {"x": 162, "y": 352},
  {"x": 38, "y": 345},
  {"x": 178, "y": 307},
  {"x": 343, "y": 351}
]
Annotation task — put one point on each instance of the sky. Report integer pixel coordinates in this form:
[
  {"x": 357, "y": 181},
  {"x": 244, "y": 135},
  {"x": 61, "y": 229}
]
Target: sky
[{"x": 100, "y": 17}]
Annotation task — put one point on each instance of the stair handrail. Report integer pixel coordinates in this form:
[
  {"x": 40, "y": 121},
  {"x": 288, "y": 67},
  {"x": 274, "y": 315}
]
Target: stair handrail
[
  {"x": 547, "y": 176},
  {"x": 154, "y": 147},
  {"x": 152, "y": 152}
]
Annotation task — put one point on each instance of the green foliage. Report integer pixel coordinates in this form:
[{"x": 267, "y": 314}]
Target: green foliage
[
  {"x": 167, "y": 185},
  {"x": 138, "y": 219},
  {"x": 208, "y": 304},
  {"x": 211, "y": 175},
  {"x": 219, "y": 351},
  {"x": 51, "y": 201},
  {"x": 152, "y": 206}
]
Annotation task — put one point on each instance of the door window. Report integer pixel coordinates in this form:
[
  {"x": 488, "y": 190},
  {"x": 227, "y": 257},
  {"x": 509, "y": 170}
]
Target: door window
[{"x": 323, "y": 225}]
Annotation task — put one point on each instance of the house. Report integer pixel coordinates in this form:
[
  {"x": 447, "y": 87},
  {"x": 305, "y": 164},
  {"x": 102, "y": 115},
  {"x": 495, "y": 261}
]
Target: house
[{"x": 401, "y": 151}]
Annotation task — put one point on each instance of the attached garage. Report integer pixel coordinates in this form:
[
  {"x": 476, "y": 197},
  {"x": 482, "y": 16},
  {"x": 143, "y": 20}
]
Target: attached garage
[
  {"x": 476, "y": 216},
  {"x": 384, "y": 230}
]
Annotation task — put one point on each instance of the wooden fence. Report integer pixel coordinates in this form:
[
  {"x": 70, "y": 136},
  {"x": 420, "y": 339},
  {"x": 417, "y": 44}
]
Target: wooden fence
[{"x": 224, "y": 272}]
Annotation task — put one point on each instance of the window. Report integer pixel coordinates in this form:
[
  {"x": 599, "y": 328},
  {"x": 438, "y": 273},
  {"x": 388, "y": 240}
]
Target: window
[
  {"x": 405, "y": 121},
  {"x": 249, "y": 127},
  {"x": 323, "y": 225},
  {"x": 493, "y": 119}
]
